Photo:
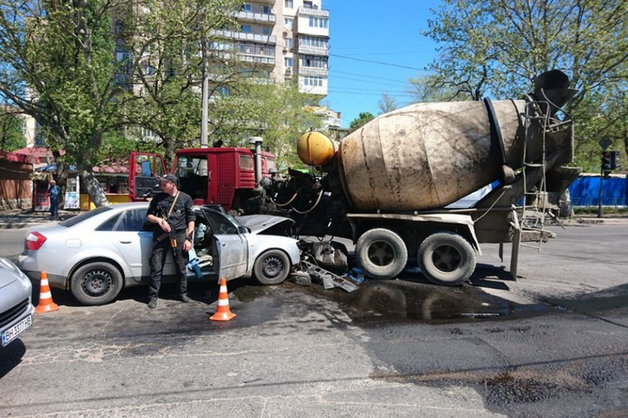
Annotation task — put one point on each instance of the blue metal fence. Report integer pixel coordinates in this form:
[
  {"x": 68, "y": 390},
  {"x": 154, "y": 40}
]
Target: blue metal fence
[{"x": 585, "y": 191}]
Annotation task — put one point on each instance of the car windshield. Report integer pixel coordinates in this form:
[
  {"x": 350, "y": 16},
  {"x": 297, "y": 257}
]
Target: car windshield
[
  {"x": 222, "y": 223},
  {"x": 83, "y": 216}
]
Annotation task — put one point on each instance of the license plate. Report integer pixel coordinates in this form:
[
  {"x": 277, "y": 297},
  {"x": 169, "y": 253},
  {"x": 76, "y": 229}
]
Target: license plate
[{"x": 12, "y": 333}]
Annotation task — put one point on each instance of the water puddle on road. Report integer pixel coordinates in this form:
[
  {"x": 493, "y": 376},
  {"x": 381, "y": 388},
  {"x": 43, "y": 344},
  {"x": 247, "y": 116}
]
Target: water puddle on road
[{"x": 401, "y": 300}]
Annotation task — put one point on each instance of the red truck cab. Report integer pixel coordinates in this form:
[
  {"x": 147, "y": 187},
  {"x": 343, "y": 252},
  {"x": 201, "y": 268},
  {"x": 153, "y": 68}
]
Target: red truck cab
[{"x": 226, "y": 176}]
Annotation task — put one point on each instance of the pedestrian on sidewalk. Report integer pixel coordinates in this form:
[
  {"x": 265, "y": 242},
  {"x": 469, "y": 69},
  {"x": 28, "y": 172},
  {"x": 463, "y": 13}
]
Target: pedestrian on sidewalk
[{"x": 53, "y": 193}]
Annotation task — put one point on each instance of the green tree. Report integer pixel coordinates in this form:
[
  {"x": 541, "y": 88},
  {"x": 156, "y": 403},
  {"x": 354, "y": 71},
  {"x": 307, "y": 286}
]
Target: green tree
[
  {"x": 57, "y": 67},
  {"x": 11, "y": 134},
  {"x": 277, "y": 112},
  {"x": 497, "y": 47},
  {"x": 164, "y": 40},
  {"x": 387, "y": 104},
  {"x": 362, "y": 119},
  {"x": 429, "y": 88}
]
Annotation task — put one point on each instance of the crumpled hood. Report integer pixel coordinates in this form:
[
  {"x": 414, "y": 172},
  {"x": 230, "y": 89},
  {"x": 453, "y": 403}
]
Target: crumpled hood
[{"x": 265, "y": 223}]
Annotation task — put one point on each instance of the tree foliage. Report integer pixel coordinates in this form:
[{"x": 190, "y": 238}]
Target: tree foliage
[
  {"x": 279, "y": 113},
  {"x": 96, "y": 73},
  {"x": 497, "y": 47},
  {"x": 430, "y": 88},
  {"x": 362, "y": 119},
  {"x": 387, "y": 104},
  {"x": 11, "y": 134},
  {"x": 57, "y": 67},
  {"x": 167, "y": 44}
]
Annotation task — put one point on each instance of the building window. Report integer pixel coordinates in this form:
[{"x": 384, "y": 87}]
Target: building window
[
  {"x": 247, "y": 7},
  {"x": 319, "y": 22},
  {"x": 287, "y": 62},
  {"x": 288, "y": 23},
  {"x": 289, "y": 4},
  {"x": 313, "y": 61},
  {"x": 315, "y": 41},
  {"x": 251, "y": 48},
  {"x": 312, "y": 81},
  {"x": 308, "y": 5},
  {"x": 289, "y": 43},
  {"x": 266, "y": 30},
  {"x": 266, "y": 10},
  {"x": 246, "y": 28}
]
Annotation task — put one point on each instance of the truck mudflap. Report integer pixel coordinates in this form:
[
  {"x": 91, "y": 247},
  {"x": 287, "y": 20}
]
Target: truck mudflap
[{"x": 444, "y": 218}]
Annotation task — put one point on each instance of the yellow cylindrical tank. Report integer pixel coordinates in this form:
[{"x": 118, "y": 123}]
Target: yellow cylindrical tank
[{"x": 316, "y": 149}]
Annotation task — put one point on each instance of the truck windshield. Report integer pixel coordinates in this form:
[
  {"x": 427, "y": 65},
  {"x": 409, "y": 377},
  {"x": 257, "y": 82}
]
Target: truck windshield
[
  {"x": 193, "y": 175},
  {"x": 188, "y": 166}
]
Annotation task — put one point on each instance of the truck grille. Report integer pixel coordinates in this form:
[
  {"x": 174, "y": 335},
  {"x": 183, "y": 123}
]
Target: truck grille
[{"x": 10, "y": 314}]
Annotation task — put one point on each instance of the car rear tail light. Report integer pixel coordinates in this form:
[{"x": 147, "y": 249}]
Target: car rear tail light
[{"x": 34, "y": 241}]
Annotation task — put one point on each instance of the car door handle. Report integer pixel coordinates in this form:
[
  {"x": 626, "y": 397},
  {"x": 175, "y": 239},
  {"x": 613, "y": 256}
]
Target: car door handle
[{"x": 125, "y": 242}]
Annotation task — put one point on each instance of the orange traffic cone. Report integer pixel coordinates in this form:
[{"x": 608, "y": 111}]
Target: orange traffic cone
[
  {"x": 45, "y": 297},
  {"x": 222, "y": 312}
]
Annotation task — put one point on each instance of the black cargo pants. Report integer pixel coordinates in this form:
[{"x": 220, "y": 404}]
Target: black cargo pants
[{"x": 161, "y": 249}]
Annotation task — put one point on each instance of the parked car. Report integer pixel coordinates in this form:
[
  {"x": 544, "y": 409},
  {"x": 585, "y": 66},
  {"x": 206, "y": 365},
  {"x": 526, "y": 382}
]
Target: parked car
[
  {"x": 97, "y": 253},
  {"x": 16, "y": 308}
]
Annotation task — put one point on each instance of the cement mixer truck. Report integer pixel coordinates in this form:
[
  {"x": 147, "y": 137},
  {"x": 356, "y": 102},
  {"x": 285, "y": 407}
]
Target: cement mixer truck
[{"x": 389, "y": 185}]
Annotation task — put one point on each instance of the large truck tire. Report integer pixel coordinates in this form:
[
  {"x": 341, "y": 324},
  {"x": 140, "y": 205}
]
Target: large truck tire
[
  {"x": 381, "y": 253},
  {"x": 446, "y": 258}
]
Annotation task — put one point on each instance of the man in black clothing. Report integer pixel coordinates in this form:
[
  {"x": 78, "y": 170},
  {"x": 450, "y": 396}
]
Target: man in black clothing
[{"x": 171, "y": 212}]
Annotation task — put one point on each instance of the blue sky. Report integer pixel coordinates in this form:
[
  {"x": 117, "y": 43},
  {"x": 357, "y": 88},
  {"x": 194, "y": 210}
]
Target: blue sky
[{"x": 364, "y": 34}]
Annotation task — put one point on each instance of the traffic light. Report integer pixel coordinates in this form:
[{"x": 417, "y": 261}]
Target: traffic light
[
  {"x": 606, "y": 160},
  {"x": 614, "y": 160}
]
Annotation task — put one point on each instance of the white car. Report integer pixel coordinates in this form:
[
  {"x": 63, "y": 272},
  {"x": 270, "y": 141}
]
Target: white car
[
  {"x": 16, "y": 308},
  {"x": 97, "y": 253}
]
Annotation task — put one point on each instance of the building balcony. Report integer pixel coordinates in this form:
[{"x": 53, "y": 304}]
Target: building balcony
[
  {"x": 314, "y": 71},
  {"x": 253, "y": 37},
  {"x": 261, "y": 18},
  {"x": 303, "y": 11},
  {"x": 313, "y": 50},
  {"x": 256, "y": 59}
]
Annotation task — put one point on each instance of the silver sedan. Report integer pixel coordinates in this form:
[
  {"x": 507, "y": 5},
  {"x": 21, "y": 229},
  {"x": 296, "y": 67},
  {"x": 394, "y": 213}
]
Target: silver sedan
[
  {"x": 16, "y": 308},
  {"x": 97, "y": 253}
]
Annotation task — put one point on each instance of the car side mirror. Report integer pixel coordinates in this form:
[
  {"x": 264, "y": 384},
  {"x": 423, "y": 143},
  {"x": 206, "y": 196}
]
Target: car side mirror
[{"x": 242, "y": 229}]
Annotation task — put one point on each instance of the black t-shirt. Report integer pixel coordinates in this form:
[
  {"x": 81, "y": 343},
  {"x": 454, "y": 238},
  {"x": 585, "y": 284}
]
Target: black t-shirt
[{"x": 181, "y": 214}]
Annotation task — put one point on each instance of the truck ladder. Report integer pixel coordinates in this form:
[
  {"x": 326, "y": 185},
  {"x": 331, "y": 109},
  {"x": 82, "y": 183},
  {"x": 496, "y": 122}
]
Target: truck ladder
[{"x": 535, "y": 200}]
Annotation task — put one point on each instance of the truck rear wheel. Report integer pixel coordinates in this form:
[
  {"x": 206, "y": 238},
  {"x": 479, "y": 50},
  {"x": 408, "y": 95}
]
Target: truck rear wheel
[
  {"x": 446, "y": 258},
  {"x": 381, "y": 253}
]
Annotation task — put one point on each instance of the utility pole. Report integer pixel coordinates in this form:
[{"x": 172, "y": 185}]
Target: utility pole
[
  {"x": 205, "y": 94},
  {"x": 604, "y": 143}
]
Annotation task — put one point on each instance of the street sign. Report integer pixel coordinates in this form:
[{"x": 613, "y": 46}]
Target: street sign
[{"x": 605, "y": 142}]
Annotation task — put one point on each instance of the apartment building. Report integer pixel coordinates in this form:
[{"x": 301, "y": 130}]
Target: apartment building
[{"x": 289, "y": 38}]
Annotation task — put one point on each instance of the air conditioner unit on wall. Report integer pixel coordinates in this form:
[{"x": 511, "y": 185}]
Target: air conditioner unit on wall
[{"x": 288, "y": 71}]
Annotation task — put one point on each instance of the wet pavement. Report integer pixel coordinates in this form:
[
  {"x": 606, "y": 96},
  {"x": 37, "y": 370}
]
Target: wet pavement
[
  {"x": 551, "y": 344},
  {"x": 413, "y": 299}
]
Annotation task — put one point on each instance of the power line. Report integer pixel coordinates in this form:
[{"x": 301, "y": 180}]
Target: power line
[
  {"x": 363, "y": 93},
  {"x": 366, "y": 81},
  {"x": 376, "y": 62},
  {"x": 352, "y": 49},
  {"x": 332, "y": 71},
  {"x": 366, "y": 89}
]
